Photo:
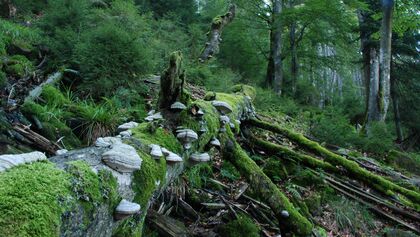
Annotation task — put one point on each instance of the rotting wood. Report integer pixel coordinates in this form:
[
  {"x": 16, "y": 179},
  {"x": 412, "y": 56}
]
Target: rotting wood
[
  {"x": 41, "y": 142},
  {"x": 166, "y": 226}
]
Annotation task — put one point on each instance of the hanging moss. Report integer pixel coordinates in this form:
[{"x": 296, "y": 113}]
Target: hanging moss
[
  {"x": 32, "y": 200},
  {"x": 381, "y": 184}
]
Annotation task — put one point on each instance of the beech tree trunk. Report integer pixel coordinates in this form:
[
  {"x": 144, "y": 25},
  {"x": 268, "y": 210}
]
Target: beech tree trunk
[
  {"x": 294, "y": 61},
  {"x": 373, "y": 102},
  {"x": 274, "y": 76},
  {"x": 385, "y": 58}
]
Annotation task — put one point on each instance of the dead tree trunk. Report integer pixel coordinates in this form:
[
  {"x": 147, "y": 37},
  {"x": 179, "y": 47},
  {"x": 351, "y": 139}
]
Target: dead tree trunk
[
  {"x": 172, "y": 81},
  {"x": 215, "y": 34}
]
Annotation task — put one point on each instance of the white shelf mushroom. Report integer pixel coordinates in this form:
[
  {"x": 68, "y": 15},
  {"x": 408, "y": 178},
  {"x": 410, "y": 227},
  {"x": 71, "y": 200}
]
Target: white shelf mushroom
[
  {"x": 155, "y": 116},
  {"x": 10, "y": 161},
  {"x": 200, "y": 157},
  {"x": 122, "y": 158},
  {"x": 126, "y": 209},
  {"x": 178, "y": 106},
  {"x": 173, "y": 158},
  {"x": 127, "y": 126},
  {"x": 165, "y": 151},
  {"x": 215, "y": 142},
  {"x": 222, "y": 107},
  {"x": 187, "y": 137},
  {"x": 156, "y": 151},
  {"x": 126, "y": 134},
  {"x": 107, "y": 141}
]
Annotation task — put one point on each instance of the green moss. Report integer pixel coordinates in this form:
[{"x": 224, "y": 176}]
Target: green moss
[
  {"x": 146, "y": 180},
  {"x": 217, "y": 21},
  {"x": 378, "y": 182},
  {"x": 210, "y": 96},
  {"x": 242, "y": 226},
  {"x": 265, "y": 188},
  {"x": 244, "y": 90},
  {"x": 147, "y": 134},
  {"x": 211, "y": 118},
  {"x": 19, "y": 66},
  {"x": 53, "y": 127},
  {"x": 85, "y": 186},
  {"x": 108, "y": 186},
  {"x": 54, "y": 97},
  {"x": 228, "y": 171},
  {"x": 198, "y": 175},
  {"x": 30, "y": 200},
  {"x": 275, "y": 170}
]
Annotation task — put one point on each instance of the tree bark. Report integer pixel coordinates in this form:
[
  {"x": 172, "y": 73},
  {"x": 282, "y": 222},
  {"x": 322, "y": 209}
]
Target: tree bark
[
  {"x": 395, "y": 105},
  {"x": 385, "y": 58},
  {"x": 7, "y": 9},
  {"x": 274, "y": 77},
  {"x": 294, "y": 60},
  {"x": 373, "y": 101},
  {"x": 172, "y": 81},
  {"x": 215, "y": 34}
]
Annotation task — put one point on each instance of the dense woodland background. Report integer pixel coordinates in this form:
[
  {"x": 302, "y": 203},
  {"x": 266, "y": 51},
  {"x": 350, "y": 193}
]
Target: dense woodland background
[{"x": 313, "y": 63}]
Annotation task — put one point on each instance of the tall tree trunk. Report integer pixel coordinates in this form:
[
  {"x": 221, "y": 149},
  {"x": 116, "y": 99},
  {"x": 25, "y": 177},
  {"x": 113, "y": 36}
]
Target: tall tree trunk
[
  {"x": 395, "y": 105},
  {"x": 373, "y": 102},
  {"x": 294, "y": 61},
  {"x": 365, "y": 47},
  {"x": 274, "y": 76},
  {"x": 385, "y": 58}
]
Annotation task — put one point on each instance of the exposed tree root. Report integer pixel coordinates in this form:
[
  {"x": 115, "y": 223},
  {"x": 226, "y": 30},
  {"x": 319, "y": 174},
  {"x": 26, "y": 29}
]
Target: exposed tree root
[
  {"x": 265, "y": 188},
  {"x": 379, "y": 183}
]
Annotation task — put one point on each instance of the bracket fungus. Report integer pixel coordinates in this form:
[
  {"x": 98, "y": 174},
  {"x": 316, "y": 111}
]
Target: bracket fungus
[
  {"x": 126, "y": 209},
  {"x": 215, "y": 142},
  {"x": 107, "y": 141},
  {"x": 127, "y": 126},
  {"x": 165, "y": 151},
  {"x": 126, "y": 134},
  {"x": 173, "y": 158},
  {"x": 222, "y": 107},
  {"x": 178, "y": 106},
  {"x": 187, "y": 137},
  {"x": 155, "y": 116},
  {"x": 156, "y": 151},
  {"x": 122, "y": 158},
  {"x": 200, "y": 157},
  {"x": 10, "y": 161}
]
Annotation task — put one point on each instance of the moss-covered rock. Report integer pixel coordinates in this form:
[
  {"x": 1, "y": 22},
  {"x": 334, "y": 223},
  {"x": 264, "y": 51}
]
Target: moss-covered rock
[{"x": 32, "y": 200}]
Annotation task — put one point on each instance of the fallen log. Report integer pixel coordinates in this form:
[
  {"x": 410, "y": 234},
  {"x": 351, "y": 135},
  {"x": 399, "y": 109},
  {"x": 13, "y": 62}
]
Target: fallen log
[
  {"x": 39, "y": 141},
  {"x": 265, "y": 188},
  {"x": 379, "y": 183}
]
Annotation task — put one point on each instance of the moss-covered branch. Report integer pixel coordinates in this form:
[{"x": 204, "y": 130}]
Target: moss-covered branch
[
  {"x": 264, "y": 187},
  {"x": 376, "y": 181},
  {"x": 215, "y": 35},
  {"x": 305, "y": 159}
]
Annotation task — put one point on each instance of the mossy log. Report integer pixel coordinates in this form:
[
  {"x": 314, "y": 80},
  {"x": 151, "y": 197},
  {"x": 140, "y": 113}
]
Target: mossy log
[
  {"x": 265, "y": 188},
  {"x": 379, "y": 183},
  {"x": 215, "y": 34}
]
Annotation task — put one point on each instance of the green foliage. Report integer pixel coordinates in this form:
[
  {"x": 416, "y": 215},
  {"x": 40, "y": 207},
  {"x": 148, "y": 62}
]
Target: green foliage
[
  {"x": 17, "y": 34},
  {"x": 333, "y": 127},
  {"x": 228, "y": 171},
  {"x": 379, "y": 140},
  {"x": 242, "y": 226},
  {"x": 33, "y": 206},
  {"x": 198, "y": 175},
  {"x": 352, "y": 216},
  {"x": 19, "y": 66},
  {"x": 104, "y": 73},
  {"x": 214, "y": 77},
  {"x": 96, "y": 120},
  {"x": 3, "y": 80},
  {"x": 29, "y": 7}
]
